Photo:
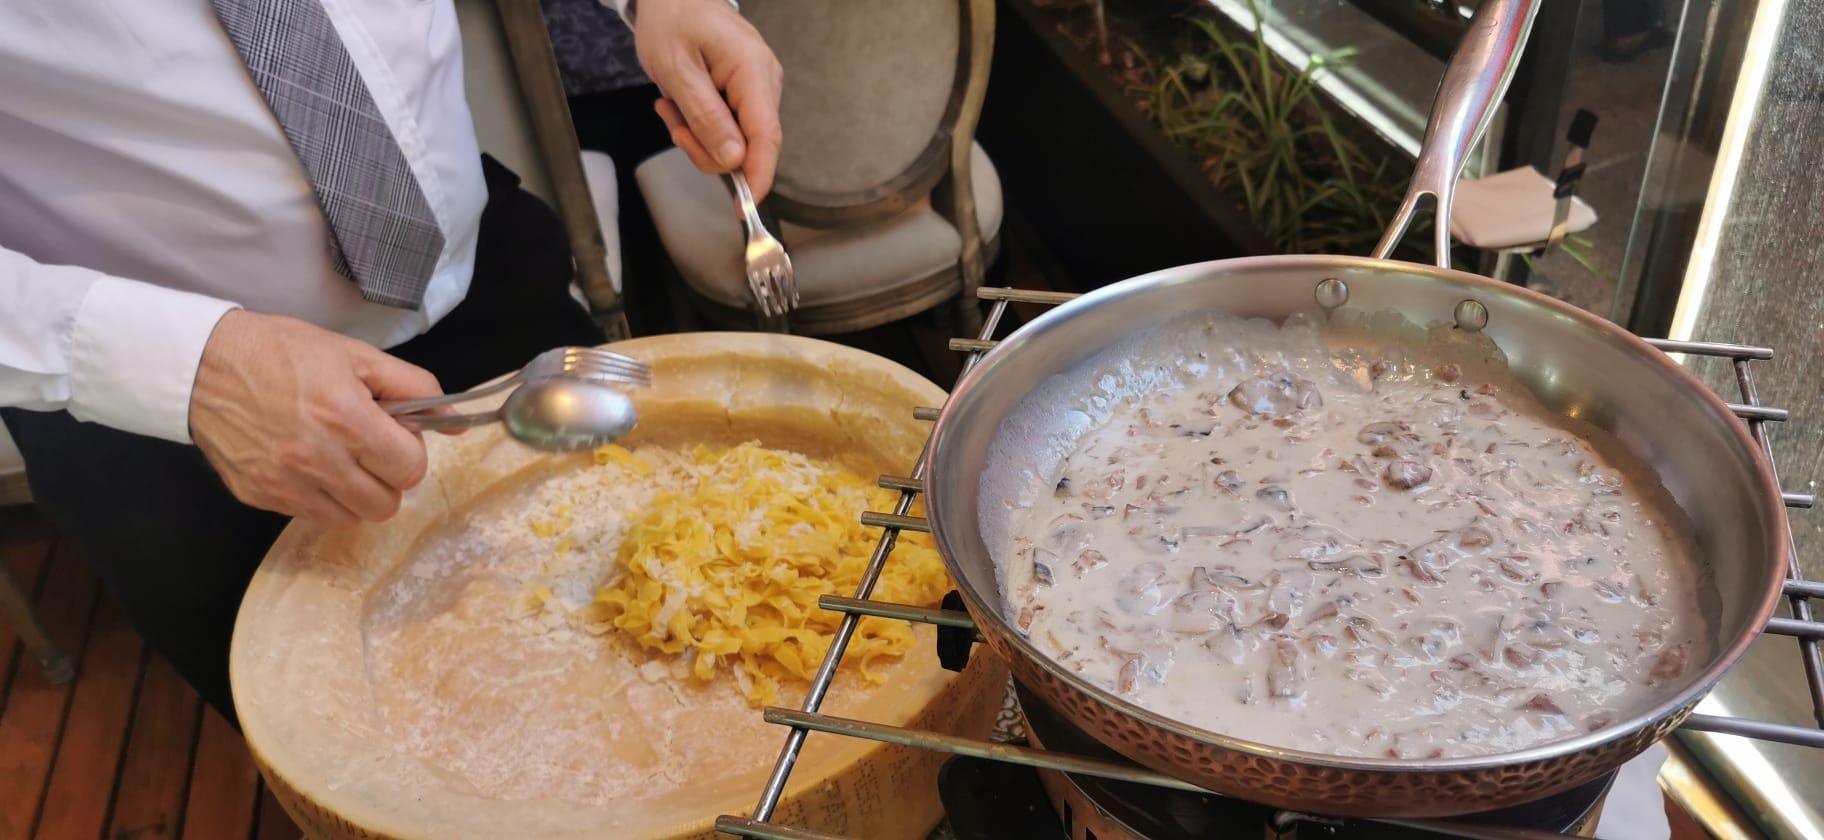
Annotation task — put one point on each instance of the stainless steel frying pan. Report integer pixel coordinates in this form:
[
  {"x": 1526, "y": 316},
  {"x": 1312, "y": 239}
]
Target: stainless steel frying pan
[{"x": 1011, "y": 417}]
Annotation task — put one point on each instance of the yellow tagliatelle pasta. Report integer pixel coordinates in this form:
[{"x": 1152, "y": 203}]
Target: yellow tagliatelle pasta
[{"x": 730, "y": 568}]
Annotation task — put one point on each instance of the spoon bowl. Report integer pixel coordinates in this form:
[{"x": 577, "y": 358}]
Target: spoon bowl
[
  {"x": 566, "y": 415},
  {"x": 555, "y": 414}
]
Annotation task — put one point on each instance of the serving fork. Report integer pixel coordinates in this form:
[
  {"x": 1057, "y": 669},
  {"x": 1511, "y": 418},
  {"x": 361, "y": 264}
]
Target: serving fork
[
  {"x": 769, "y": 270},
  {"x": 586, "y": 364}
]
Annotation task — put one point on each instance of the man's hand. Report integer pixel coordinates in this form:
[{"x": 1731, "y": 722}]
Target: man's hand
[
  {"x": 285, "y": 412},
  {"x": 708, "y": 60}
]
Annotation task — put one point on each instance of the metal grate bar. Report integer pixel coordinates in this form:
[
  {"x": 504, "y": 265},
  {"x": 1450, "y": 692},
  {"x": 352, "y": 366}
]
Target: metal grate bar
[
  {"x": 1713, "y": 348},
  {"x": 1025, "y": 296},
  {"x": 1759, "y": 413},
  {"x": 1808, "y": 588},
  {"x": 896, "y": 521},
  {"x": 742, "y": 827},
  {"x": 1801, "y": 607},
  {"x": 902, "y": 483},
  {"x": 1801, "y": 628},
  {"x": 902, "y": 612},
  {"x": 955, "y": 745},
  {"x": 1804, "y": 736},
  {"x": 839, "y": 643},
  {"x": 807, "y": 719}
]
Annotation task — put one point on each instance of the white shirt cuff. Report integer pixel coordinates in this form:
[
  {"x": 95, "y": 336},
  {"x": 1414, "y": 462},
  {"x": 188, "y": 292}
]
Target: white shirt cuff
[
  {"x": 625, "y": 8},
  {"x": 134, "y": 350}
]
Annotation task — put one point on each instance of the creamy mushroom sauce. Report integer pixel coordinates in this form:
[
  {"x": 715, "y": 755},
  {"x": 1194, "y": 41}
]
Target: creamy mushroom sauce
[{"x": 1355, "y": 552}]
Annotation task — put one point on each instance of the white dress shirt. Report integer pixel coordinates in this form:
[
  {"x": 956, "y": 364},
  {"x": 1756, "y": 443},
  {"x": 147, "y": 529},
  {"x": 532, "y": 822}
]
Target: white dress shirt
[{"x": 146, "y": 189}]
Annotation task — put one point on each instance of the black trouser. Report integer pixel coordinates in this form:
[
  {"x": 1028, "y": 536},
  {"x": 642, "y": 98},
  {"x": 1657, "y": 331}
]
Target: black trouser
[
  {"x": 160, "y": 528},
  {"x": 1624, "y": 18}
]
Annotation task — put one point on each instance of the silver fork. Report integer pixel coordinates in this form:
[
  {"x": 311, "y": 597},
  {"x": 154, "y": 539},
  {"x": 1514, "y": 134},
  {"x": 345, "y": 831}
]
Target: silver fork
[
  {"x": 585, "y": 363},
  {"x": 769, "y": 270}
]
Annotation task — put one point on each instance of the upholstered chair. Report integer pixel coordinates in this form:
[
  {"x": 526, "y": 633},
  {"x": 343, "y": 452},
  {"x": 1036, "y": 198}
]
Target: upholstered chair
[{"x": 886, "y": 205}]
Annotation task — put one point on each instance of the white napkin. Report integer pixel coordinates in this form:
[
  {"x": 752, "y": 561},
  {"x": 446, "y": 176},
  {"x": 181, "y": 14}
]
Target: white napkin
[
  {"x": 1635, "y": 808},
  {"x": 1510, "y": 210}
]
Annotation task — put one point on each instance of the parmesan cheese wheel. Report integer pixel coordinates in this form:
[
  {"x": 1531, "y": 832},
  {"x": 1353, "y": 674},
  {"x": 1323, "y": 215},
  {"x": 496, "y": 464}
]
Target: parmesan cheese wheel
[{"x": 387, "y": 689}]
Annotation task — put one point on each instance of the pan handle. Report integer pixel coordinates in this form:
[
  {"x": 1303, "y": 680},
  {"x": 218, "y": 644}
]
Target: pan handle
[{"x": 1473, "y": 85}]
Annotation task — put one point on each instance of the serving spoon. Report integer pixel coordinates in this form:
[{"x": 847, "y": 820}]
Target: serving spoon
[{"x": 557, "y": 414}]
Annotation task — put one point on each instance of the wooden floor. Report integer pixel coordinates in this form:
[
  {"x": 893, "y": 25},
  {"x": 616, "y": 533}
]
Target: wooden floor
[{"x": 126, "y": 749}]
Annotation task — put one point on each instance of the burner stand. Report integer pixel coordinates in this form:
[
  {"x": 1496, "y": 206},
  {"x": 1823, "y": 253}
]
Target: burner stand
[{"x": 1092, "y": 808}]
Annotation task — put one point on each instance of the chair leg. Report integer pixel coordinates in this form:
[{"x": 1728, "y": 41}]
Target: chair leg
[
  {"x": 931, "y": 332},
  {"x": 17, "y": 610},
  {"x": 968, "y": 315},
  {"x": 683, "y": 309},
  {"x": 775, "y": 324}
]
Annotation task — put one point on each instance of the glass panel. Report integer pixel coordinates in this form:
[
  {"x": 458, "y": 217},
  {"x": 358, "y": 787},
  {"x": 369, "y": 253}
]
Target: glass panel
[
  {"x": 1388, "y": 84},
  {"x": 1727, "y": 248}
]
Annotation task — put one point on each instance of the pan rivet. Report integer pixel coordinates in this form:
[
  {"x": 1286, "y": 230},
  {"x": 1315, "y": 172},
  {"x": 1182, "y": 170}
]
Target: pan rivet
[
  {"x": 1471, "y": 315},
  {"x": 1331, "y": 293}
]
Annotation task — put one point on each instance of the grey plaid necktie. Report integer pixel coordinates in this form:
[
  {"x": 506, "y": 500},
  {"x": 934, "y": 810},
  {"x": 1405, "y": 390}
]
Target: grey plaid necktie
[{"x": 383, "y": 234}]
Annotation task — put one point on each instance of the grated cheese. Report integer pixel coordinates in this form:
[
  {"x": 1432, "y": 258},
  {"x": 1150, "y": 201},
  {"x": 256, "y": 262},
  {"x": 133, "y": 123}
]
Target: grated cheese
[{"x": 727, "y": 569}]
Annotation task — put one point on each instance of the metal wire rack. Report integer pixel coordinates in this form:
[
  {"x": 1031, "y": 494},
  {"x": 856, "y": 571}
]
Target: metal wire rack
[{"x": 808, "y": 718}]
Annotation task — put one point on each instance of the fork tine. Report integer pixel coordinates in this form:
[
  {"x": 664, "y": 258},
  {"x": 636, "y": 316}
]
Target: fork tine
[
  {"x": 617, "y": 377},
  {"x": 615, "y": 364},
  {"x": 614, "y": 360},
  {"x": 610, "y": 367},
  {"x": 754, "y": 288},
  {"x": 768, "y": 303},
  {"x": 610, "y": 373},
  {"x": 598, "y": 353}
]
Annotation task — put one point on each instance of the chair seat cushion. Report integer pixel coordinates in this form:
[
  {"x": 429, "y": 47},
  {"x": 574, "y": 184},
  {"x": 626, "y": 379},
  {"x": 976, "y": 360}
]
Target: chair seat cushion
[{"x": 701, "y": 228}]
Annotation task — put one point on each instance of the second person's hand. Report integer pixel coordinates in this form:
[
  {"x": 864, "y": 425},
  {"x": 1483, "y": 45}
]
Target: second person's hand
[{"x": 721, "y": 85}]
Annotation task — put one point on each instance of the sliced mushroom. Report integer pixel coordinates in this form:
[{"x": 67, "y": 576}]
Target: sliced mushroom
[
  {"x": 1670, "y": 664},
  {"x": 1275, "y": 394},
  {"x": 1129, "y": 678},
  {"x": 1275, "y": 496},
  {"x": 1406, "y": 474},
  {"x": 1228, "y": 480},
  {"x": 1420, "y": 573},
  {"x": 1289, "y": 590},
  {"x": 1376, "y": 434},
  {"x": 1474, "y": 537},
  {"x": 1286, "y": 672},
  {"x": 1042, "y": 562},
  {"x": 1143, "y": 590},
  {"x": 1088, "y": 561},
  {"x": 1543, "y": 704},
  {"x": 1198, "y": 613}
]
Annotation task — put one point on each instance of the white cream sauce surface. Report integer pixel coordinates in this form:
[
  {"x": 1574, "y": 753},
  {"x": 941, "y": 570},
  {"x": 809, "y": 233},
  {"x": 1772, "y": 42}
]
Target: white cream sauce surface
[{"x": 1312, "y": 545}]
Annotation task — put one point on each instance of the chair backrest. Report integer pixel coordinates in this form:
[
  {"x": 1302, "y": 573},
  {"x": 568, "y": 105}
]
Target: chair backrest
[
  {"x": 503, "y": 121},
  {"x": 874, "y": 90}
]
